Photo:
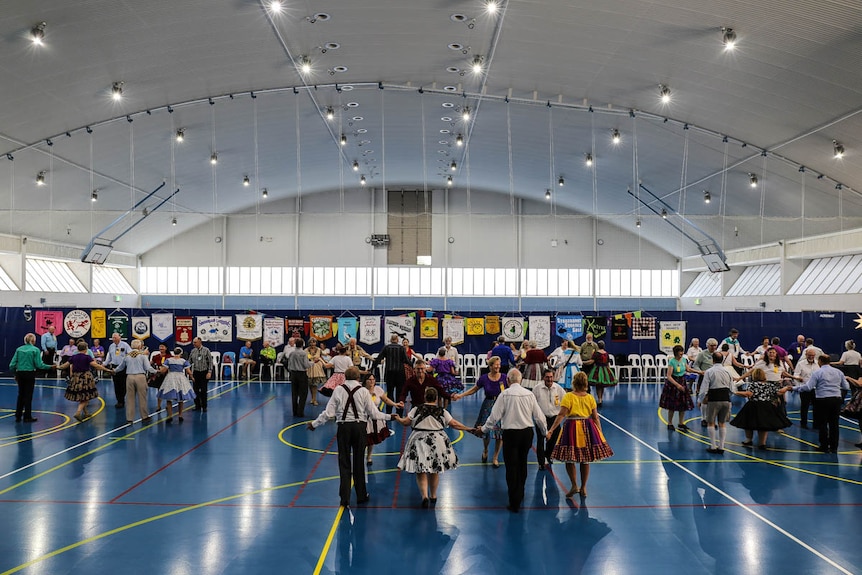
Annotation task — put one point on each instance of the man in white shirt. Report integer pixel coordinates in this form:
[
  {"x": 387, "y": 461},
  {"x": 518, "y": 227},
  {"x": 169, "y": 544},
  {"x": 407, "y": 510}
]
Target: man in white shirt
[
  {"x": 714, "y": 401},
  {"x": 516, "y": 409},
  {"x": 352, "y": 407},
  {"x": 804, "y": 368},
  {"x": 549, "y": 396}
]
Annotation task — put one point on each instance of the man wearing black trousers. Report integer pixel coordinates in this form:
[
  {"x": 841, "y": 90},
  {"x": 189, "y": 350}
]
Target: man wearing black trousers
[
  {"x": 516, "y": 409},
  {"x": 298, "y": 365},
  {"x": 25, "y": 363},
  {"x": 116, "y": 354},
  {"x": 549, "y": 395},
  {"x": 828, "y": 384},
  {"x": 395, "y": 359},
  {"x": 352, "y": 407},
  {"x": 202, "y": 369}
]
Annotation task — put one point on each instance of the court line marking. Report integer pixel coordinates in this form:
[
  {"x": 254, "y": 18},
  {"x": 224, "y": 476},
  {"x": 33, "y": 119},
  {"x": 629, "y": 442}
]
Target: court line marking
[
  {"x": 281, "y": 438},
  {"x": 174, "y": 460},
  {"x": 325, "y": 551},
  {"x": 311, "y": 473},
  {"x": 81, "y": 444},
  {"x": 723, "y": 493}
]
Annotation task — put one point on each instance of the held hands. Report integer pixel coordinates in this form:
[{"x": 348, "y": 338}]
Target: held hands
[
  {"x": 400, "y": 405},
  {"x": 477, "y": 431},
  {"x": 309, "y": 426}
]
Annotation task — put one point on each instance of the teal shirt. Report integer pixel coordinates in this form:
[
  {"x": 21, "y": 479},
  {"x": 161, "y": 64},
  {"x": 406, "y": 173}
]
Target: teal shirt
[
  {"x": 27, "y": 358},
  {"x": 678, "y": 366}
]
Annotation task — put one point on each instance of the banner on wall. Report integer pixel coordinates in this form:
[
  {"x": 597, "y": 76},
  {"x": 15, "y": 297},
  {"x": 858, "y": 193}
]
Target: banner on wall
[
  {"x": 119, "y": 323},
  {"x": 513, "y": 328},
  {"x": 619, "y": 329},
  {"x": 45, "y": 318},
  {"x": 402, "y": 326},
  {"x": 98, "y": 324},
  {"x": 141, "y": 327},
  {"x": 321, "y": 327},
  {"x": 596, "y": 325},
  {"x": 347, "y": 329},
  {"x": 163, "y": 326},
  {"x": 540, "y": 330},
  {"x": 671, "y": 333},
  {"x": 215, "y": 328},
  {"x": 273, "y": 330},
  {"x": 492, "y": 324},
  {"x": 369, "y": 329},
  {"x": 475, "y": 325},
  {"x": 185, "y": 330},
  {"x": 643, "y": 328},
  {"x": 249, "y": 327},
  {"x": 454, "y": 327},
  {"x": 570, "y": 327},
  {"x": 77, "y": 323},
  {"x": 429, "y": 328},
  {"x": 294, "y": 327}
]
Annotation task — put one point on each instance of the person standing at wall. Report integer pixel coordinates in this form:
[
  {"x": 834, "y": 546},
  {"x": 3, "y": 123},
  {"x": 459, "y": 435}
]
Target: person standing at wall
[
  {"x": 116, "y": 353},
  {"x": 516, "y": 410},
  {"x": 201, "y": 360},
  {"x": 26, "y": 361},
  {"x": 298, "y": 365}
]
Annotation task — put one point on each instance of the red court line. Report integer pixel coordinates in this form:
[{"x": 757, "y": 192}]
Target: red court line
[
  {"x": 165, "y": 466},
  {"x": 311, "y": 473}
]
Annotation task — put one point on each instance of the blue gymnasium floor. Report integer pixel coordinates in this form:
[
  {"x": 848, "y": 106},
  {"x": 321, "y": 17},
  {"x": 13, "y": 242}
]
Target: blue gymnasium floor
[{"x": 246, "y": 489}]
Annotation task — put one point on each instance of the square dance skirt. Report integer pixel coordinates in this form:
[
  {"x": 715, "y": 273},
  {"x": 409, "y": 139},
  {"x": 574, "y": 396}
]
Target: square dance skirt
[{"x": 581, "y": 441}]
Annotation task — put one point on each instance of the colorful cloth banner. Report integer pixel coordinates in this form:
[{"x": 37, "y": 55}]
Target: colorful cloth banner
[
  {"x": 492, "y": 324},
  {"x": 475, "y": 326},
  {"x": 77, "y": 323},
  {"x": 215, "y": 328},
  {"x": 671, "y": 333},
  {"x": 570, "y": 327},
  {"x": 347, "y": 329},
  {"x": 141, "y": 327},
  {"x": 273, "y": 331},
  {"x": 512, "y": 328},
  {"x": 596, "y": 325},
  {"x": 163, "y": 326},
  {"x": 294, "y": 327},
  {"x": 643, "y": 328},
  {"x": 48, "y": 318},
  {"x": 249, "y": 326},
  {"x": 619, "y": 329},
  {"x": 540, "y": 330},
  {"x": 118, "y": 323},
  {"x": 98, "y": 324},
  {"x": 185, "y": 330},
  {"x": 402, "y": 326},
  {"x": 369, "y": 329},
  {"x": 454, "y": 327},
  {"x": 321, "y": 327},
  {"x": 429, "y": 328}
]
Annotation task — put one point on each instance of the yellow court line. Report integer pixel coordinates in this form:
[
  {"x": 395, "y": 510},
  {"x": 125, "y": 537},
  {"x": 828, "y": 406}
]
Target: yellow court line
[
  {"x": 325, "y": 551},
  {"x": 312, "y": 450}
]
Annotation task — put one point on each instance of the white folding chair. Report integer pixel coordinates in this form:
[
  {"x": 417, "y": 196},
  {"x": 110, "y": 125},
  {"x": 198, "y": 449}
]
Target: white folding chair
[
  {"x": 612, "y": 364},
  {"x": 661, "y": 365},
  {"x": 648, "y": 366},
  {"x": 471, "y": 368},
  {"x": 634, "y": 365},
  {"x": 216, "y": 362}
]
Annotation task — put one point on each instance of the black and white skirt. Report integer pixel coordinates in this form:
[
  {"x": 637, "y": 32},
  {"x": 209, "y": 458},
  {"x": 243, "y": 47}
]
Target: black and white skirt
[{"x": 428, "y": 452}]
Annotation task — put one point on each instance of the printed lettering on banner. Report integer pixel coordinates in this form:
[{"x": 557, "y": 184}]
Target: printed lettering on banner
[
  {"x": 249, "y": 327},
  {"x": 619, "y": 329},
  {"x": 77, "y": 323},
  {"x": 185, "y": 330},
  {"x": 596, "y": 325},
  {"x": 513, "y": 328},
  {"x": 401, "y": 325},
  {"x": 141, "y": 327},
  {"x": 273, "y": 330},
  {"x": 369, "y": 329},
  {"x": 294, "y": 327},
  {"x": 45, "y": 319},
  {"x": 671, "y": 333},
  {"x": 454, "y": 328},
  {"x": 540, "y": 330},
  {"x": 347, "y": 329},
  {"x": 98, "y": 323},
  {"x": 215, "y": 328},
  {"x": 570, "y": 327},
  {"x": 163, "y": 326},
  {"x": 492, "y": 324}
]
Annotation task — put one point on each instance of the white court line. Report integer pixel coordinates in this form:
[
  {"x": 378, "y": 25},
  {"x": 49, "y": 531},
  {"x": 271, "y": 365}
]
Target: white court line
[
  {"x": 733, "y": 500},
  {"x": 91, "y": 440}
]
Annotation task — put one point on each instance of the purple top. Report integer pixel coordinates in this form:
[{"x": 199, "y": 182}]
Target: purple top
[
  {"x": 442, "y": 365},
  {"x": 80, "y": 362},
  {"x": 492, "y": 388}
]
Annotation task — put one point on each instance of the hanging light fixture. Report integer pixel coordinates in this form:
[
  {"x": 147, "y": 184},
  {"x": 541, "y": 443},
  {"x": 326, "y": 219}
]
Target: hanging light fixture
[
  {"x": 728, "y": 38},
  {"x": 588, "y": 159},
  {"x": 246, "y": 181},
  {"x": 615, "y": 136},
  {"x": 465, "y": 113},
  {"x": 478, "y": 64},
  {"x": 117, "y": 90},
  {"x": 664, "y": 93},
  {"x": 638, "y": 223},
  {"x": 181, "y": 134},
  {"x": 343, "y": 140},
  {"x": 37, "y": 33},
  {"x": 94, "y": 197},
  {"x": 491, "y": 7},
  {"x": 547, "y": 194},
  {"x": 449, "y": 181},
  {"x": 214, "y": 158},
  {"x": 275, "y": 7},
  {"x": 453, "y": 166},
  {"x": 561, "y": 182},
  {"x": 355, "y": 166},
  {"x": 330, "y": 113},
  {"x": 264, "y": 193},
  {"x": 459, "y": 140},
  {"x": 304, "y": 64},
  {"x": 664, "y": 213},
  {"x": 837, "y": 149},
  {"x": 40, "y": 178},
  {"x": 362, "y": 180},
  {"x": 706, "y": 196},
  {"x": 173, "y": 221},
  {"x": 752, "y": 180}
]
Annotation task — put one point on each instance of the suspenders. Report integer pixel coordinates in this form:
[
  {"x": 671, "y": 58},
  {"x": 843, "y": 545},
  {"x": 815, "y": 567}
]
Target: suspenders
[{"x": 351, "y": 401}]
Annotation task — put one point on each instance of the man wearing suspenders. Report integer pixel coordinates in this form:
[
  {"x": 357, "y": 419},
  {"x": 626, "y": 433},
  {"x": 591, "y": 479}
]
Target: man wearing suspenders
[{"x": 351, "y": 406}]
